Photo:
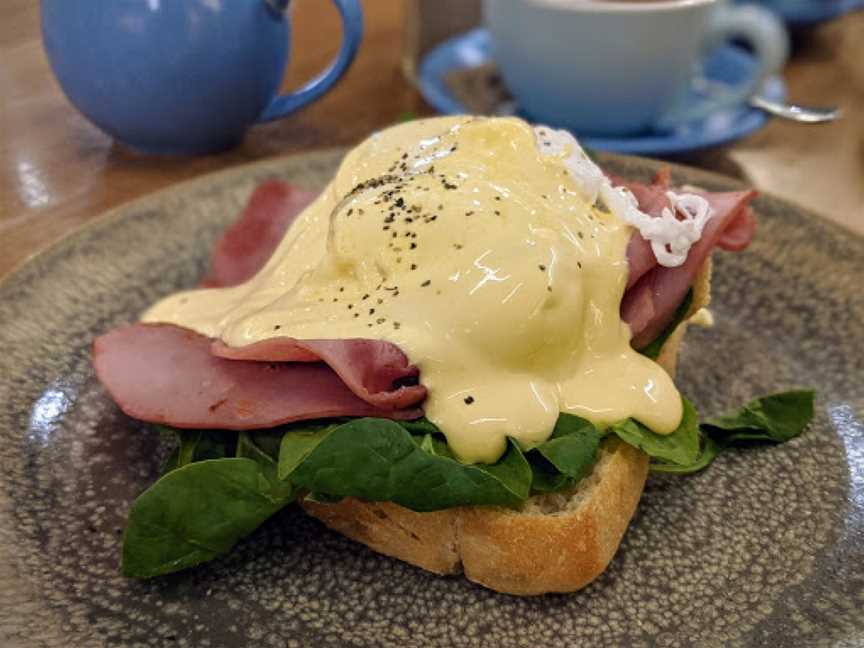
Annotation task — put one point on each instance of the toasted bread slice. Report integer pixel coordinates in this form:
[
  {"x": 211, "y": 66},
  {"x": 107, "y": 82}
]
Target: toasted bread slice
[{"x": 558, "y": 542}]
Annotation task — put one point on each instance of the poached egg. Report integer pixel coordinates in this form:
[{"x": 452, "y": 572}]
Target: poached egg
[{"x": 493, "y": 254}]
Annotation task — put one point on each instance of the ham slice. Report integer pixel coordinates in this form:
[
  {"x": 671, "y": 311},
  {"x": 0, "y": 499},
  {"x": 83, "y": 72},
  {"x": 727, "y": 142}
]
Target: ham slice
[
  {"x": 167, "y": 374},
  {"x": 654, "y": 292},
  {"x": 163, "y": 373},
  {"x": 246, "y": 246},
  {"x": 370, "y": 368}
]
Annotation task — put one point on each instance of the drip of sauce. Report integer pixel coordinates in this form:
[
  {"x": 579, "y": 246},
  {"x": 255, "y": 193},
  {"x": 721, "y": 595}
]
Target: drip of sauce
[{"x": 460, "y": 240}]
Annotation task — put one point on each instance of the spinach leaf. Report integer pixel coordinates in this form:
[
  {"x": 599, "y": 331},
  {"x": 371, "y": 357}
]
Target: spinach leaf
[
  {"x": 545, "y": 477},
  {"x": 420, "y": 426},
  {"x": 221, "y": 485},
  {"x": 427, "y": 443},
  {"x": 652, "y": 350},
  {"x": 572, "y": 448},
  {"x": 248, "y": 447},
  {"x": 267, "y": 441},
  {"x": 379, "y": 460},
  {"x": 566, "y": 457},
  {"x": 680, "y": 447},
  {"x": 296, "y": 445},
  {"x": 710, "y": 450},
  {"x": 197, "y": 445},
  {"x": 195, "y": 513},
  {"x": 777, "y": 417},
  {"x": 186, "y": 449}
]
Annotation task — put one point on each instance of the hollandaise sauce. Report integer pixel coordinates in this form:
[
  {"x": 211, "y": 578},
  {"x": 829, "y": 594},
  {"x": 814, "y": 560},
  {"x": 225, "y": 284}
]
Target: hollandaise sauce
[{"x": 479, "y": 254}]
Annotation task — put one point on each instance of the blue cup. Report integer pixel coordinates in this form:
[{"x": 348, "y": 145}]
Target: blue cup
[{"x": 182, "y": 76}]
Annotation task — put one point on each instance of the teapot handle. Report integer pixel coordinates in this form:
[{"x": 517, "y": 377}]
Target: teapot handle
[{"x": 352, "y": 33}]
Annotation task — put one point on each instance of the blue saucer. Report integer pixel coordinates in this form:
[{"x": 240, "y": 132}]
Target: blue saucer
[
  {"x": 806, "y": 13},
  {"x": 727, "y": 64}
]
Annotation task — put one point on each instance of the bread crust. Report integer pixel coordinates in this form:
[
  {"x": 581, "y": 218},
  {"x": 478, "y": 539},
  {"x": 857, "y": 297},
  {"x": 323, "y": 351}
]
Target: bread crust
[{"x": 558, "y": 543}]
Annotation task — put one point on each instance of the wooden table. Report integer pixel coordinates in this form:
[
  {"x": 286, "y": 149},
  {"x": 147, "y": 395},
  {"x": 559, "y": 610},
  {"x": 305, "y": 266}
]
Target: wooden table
[{"x": 57, "y": 171}]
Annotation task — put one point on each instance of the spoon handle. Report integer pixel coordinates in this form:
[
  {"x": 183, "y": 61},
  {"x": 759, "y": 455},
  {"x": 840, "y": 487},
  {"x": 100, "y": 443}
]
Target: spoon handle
[{"x": 792, "y": 112}]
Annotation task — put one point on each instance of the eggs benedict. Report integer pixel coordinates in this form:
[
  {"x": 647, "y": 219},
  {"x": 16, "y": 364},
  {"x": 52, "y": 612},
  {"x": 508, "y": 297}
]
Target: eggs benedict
[{"x": 465, "y": 341}]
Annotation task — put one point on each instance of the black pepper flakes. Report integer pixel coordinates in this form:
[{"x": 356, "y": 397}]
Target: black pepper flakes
[
  {"x": 425, "y": 283},
  {"x": 469, "y": 400},
  {"x": 542, "y": 268},
  {"x": 371, "y": 311},
  {"x": 396, "y": 325},
  {"x": 380, "y": 320},
  {"x": 413, "y": 245},
  {"x": 413, "y": 266},
  {"x": 277, "y": 327}
]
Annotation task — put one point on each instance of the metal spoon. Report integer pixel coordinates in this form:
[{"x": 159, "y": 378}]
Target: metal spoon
[{"x": 792, "y": 112}]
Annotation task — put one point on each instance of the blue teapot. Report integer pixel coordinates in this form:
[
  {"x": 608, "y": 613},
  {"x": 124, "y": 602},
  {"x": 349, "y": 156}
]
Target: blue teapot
[{"x": 182, "y": 76}]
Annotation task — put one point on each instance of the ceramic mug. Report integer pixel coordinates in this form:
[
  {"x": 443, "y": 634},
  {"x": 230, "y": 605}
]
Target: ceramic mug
[
  {"x": 622, "y": 67},
  {"x": 182, "y": 76}
]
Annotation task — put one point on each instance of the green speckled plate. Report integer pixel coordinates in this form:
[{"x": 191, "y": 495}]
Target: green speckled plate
[{"x": 766, "y": 548}]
